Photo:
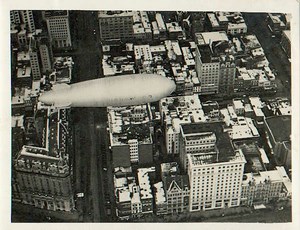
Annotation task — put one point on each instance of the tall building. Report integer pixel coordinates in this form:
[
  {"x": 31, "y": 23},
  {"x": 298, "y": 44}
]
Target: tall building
[
  {"x": 227, "y": 74},
  {"x": 215, "y": 170},
  {"x": 18, "y": 17},
  {"x": 34, "y": 59},
  {"x": 15, "y": 18},
  {"x": 44, "y": 51},
  {"x": 27, "y": 17},
  {"x": 59, "y": 28},
  {"x": 211, "y": 45},
  {"x": 43, "y": 174},
  {"x": 115, "y": 25}
]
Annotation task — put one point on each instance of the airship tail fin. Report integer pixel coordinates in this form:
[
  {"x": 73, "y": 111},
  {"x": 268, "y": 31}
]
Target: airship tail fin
[{"x": 60, "y": 86}]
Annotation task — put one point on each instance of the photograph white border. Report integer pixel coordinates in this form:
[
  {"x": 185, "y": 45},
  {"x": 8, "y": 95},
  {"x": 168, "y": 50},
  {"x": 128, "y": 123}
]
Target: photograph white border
[{"x": 282, "y": 6}]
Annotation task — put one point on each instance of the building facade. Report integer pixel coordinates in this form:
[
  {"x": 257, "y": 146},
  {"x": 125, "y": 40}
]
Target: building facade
[
  {"x": 227, "y": 75},
  {"x": 208, "y": 70},
  {"x": 177, "y": 193},
  {"x": 59, "y": 28},
  {"x": 215, "y": 184},
  {"x": 214, "y": 168},
  {"x": 34, "y": 59},
  {"x": 263, "y": 187},
  {"x": 115, "y": 25},
  {"x": 44, "y": 181}
]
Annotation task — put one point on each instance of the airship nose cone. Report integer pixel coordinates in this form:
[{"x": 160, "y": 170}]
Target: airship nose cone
[
  {"x": 46, "y": 98},
  {"x": 171, "y": 86}
]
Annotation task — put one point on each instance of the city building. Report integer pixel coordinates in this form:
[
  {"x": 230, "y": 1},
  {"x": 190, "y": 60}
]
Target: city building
[
  {"x": 59, "y": 28},
  {"x": 18, "y": 17},
  {"x": 258, "y": 78},
  {"x": 141, "y": 27},
  {"x": 276, "y": 22},
  {"x": 22, "y": 38},
  {"x": 215, "y": 179},
  {"x": 145, "y": 176},
  {"x": 160, "y": 199},
  {"x": 176, "y": 111},
  {"x": 176, "y": 187},
  {"x": 15, "y": 18},
  {"x": 161, "y": 27},
  {"x": 130, "y": 136},
  {"x": 134, "y": 198},
  {"x": 231, "y": 22},
  {"x": 227, "y": 74},
  {"x": 45, "y": 52},
  {"x": 211, "y": 46},
  {"x": 174, "y": 31},
  {"x": 143, "y": 55},
  {"x": 214, "y": 168},
  {"x": 43, "y": 173},
  {"x": 28, "y": 19},
  {"x": 128, "y": 203},
  {"x": 34, "y": 59},
  {"x": 211, "y": 110},
  {"x": 263, "y": 187},
  {"x": 177, "y": 193},
  {"x": 236, "y": 23},
  {"x": 116, "y": 25},
  {"x": 256, "y": 157},
  {"x": 279, "y": 139},
  {"x": 239, "y": 127},
  {"x": 62, "y": 70}
]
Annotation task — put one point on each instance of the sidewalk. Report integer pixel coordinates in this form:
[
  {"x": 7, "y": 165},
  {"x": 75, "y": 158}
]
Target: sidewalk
[
  {"x": 200, "y": 216},
  {"x": 206, "y": 215}
]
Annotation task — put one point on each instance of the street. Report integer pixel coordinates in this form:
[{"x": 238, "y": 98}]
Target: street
[
  {"x": 257, "y": 24},
  {"x": 87, "y": 121}
]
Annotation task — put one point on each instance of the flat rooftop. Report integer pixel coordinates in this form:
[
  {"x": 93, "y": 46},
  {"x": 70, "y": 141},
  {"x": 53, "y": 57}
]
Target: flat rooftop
[
  {"x": 55, "y": 13},
  {"x": 280, "y": 126},
  {"x": 111, "y": 14},
  {"x": 205, "y": 53},
  {"x": 223, "y": 143}
]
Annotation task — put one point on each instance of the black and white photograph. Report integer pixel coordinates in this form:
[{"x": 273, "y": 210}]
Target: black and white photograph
[{"x": 147, "y": 115}]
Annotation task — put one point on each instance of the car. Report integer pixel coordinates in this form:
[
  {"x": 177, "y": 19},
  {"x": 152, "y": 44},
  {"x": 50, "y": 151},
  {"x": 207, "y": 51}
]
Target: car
[{"x": 80, "y": 194}]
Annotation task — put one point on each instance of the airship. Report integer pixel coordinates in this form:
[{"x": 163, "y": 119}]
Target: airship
[{"x": 124, "y": 90}]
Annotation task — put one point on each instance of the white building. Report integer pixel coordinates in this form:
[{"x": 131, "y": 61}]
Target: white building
[{"x": 215, "y": 183}]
